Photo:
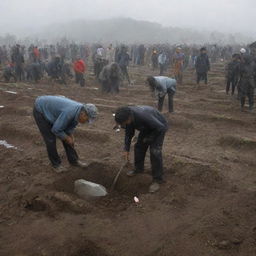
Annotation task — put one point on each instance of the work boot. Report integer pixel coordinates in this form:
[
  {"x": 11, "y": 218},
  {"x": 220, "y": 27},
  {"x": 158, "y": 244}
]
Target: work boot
[
  {"x": 80, "y": 164},
  {"x": 133, "y": 173},
  {"x": 60, "y": 169},
  {"x": 154, "y": 187}
]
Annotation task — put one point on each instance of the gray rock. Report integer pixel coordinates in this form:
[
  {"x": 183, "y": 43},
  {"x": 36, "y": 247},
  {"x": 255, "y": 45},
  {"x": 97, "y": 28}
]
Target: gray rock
[{"x": 86, "y": 189}]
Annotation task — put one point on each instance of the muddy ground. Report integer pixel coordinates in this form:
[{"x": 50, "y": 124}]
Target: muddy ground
[{"x": 206, "y": 207}]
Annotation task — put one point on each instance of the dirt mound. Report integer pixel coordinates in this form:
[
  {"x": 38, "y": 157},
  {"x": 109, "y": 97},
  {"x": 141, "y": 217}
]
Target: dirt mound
[
  {"x": 237, "y": 142},
  {"x": 21, "y": 111},
  {"x": 18, "y": 132},
  {"x": 215, "y": 118},
  {"x": 198, "y": 174}
]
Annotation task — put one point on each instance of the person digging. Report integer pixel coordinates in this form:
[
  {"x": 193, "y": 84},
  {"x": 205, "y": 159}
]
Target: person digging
[
  {"x": 57, "y": 117},
  {"x": 152, "y": 127}
]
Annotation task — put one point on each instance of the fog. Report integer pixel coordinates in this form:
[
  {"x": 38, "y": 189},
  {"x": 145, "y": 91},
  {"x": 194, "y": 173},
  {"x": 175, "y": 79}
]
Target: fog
[{"x": 227, "y": 16}]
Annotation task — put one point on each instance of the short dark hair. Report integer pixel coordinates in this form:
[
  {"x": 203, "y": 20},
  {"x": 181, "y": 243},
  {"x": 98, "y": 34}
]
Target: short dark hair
[
  {"x": 122, "y": 114},
  {"x": 151, "y": 82},
  {"x": 202, "y": 49}
]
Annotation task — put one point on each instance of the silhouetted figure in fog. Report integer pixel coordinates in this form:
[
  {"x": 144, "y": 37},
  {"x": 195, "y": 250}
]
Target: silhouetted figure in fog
[
  {"x": 233, "y": 69},
  {"x": 18, "y": 60},
  {"x": 247, "y": 69},
  {"x": 123, "y": 61},
  {"x": 162, "y": 59},
  {"x": 202, "y": 66},
  {"x": 110, "y": 78}
]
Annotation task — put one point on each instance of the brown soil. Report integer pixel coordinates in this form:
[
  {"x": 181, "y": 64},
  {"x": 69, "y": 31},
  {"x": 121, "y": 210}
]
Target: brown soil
[{"x": 205, "y": 208}]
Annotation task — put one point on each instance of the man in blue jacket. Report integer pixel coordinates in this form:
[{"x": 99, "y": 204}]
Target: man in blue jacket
[
  {"x": 152, "y": 126},
  {"x": 57, "y": 117},
  {"x": 162, "y": 85}
]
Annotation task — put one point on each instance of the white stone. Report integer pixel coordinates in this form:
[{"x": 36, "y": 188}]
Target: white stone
[
  {"x": 136, "y": 199},
  {"x": 85, "y": 188}
]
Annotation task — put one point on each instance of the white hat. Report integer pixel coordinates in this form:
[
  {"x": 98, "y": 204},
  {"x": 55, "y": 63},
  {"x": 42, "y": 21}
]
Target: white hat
[{"x": 243, "y": 51}]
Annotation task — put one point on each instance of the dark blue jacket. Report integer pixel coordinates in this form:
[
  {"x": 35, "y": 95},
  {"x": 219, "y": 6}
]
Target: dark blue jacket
[{"x": 145, "y": 119}]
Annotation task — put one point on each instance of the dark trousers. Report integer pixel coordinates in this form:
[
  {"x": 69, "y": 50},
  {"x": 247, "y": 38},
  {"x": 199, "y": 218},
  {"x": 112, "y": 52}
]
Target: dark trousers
[
  {"x": 247, "y": 90},
  {"x": 50, "y": 141},
  {"x": 162, "y": 67},
  {"x": 80, "y": 79},
  {"x": 170, "y": 98},
  {"x": 202, "y": 76},
  {"x": 156, "y": 159},
  {"x": 233, "y": 82},
  {"x": 125, "y": 73},
  {"x": 19, "y": 72}
]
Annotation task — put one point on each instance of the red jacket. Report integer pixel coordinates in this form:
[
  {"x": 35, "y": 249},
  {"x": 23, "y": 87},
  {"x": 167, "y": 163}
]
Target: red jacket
[
  {"x": 36, "y": 52},
  {"x": 79, "y": 66}
]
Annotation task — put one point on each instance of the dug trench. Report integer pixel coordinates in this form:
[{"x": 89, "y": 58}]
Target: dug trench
[
  {"x": 188, "y": 179},
  {"x": 60, "y": 195}
]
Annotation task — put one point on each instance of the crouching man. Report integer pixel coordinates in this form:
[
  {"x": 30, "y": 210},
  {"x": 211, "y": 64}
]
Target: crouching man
[
  {"x": 152, "y": 126},
  {"x": 57, "y": 117}
]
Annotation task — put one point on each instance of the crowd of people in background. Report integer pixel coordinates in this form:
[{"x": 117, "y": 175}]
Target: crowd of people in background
[{"x": 63, "y": 61}]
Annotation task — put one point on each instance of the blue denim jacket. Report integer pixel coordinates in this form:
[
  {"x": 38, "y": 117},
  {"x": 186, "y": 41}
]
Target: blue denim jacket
[{"x": 61, "y": 112}]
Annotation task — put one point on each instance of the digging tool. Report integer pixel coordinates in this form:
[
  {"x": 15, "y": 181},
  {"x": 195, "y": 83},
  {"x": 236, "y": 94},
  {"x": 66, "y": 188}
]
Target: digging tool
[{"x": 117, "y": 175}]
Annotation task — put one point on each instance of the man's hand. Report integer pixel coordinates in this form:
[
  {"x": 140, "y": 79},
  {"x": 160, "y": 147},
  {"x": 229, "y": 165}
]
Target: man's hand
[
  {"x": 127, "y": 156},
  {"x": 69, "y": 140}
]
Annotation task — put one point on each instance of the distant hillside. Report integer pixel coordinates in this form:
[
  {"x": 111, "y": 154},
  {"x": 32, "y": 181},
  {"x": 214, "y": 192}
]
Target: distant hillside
[
  {"x": 134, "y": 31},
  {"x": 121, "y": 30}
]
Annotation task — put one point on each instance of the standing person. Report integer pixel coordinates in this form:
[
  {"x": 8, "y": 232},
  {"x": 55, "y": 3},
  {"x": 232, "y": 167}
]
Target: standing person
[
  {"x": 202, "y": 66},
  {"x": 18, "y": 60},
  {"x": 152, "y": 126},
  {"x": 178, "y": 63},
  {"x": 79, "y": 68},
  {"x": 233, "y": 68},
  {"x": 162, "y": 85},
  {"x": 154, "y": 59},
  {"x": 123, "y": 62},
  {"x": 246, "y": 87},
  {"x": 110, "y": 54},
  {"x": 57, "y": 117},
  {"x": 162, "y": 58}
]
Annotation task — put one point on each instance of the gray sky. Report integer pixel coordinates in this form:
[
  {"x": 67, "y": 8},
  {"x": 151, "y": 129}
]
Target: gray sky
[{"x": 221, "y": 15}]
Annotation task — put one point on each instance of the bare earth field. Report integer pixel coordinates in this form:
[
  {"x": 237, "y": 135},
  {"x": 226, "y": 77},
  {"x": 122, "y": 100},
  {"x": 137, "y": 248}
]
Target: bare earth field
[{"x": 207, "y": 207}]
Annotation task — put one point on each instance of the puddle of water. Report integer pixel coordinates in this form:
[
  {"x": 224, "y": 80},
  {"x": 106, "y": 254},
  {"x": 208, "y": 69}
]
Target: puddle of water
[{"x": 7, "y": 145}]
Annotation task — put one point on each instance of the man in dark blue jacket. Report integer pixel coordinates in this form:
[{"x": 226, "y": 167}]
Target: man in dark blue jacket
[
  {"x": 57, "y": 117},
  {"x": 152, "y": 126},
  {"x": 202, "y": 66}
]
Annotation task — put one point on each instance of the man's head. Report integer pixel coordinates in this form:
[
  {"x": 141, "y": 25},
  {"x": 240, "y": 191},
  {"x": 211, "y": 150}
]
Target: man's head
[
  {"x": 151, "y": 82},
  {"x": 203, "y": 50},
  {"x": 123, "y": 116},
  {"x": 178, "y": 50},
  {"x": 88, "y": 113}
]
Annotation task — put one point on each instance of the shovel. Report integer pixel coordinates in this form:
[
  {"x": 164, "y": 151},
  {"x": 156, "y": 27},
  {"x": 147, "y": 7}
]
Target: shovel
[{"x": 117, "y": 176}]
